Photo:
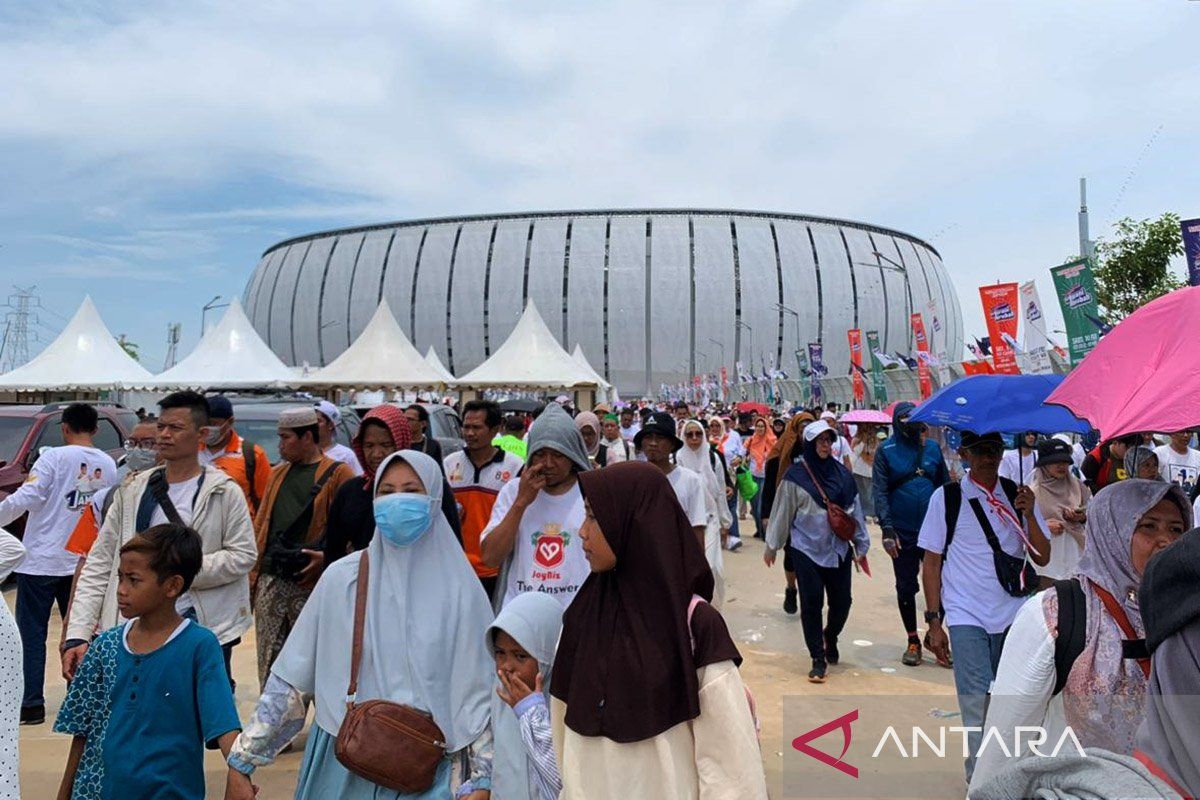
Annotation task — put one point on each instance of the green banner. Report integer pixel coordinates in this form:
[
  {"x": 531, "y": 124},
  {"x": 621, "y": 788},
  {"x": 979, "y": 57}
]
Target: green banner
[
  {"x": 878, "y": 384},
  {"x": 1076, "y": 289}
]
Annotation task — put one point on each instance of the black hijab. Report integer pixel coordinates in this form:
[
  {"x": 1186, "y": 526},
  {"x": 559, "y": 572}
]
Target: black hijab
[
  {"x": 625, "y": 665},
  {"x": 836, "y": 480}
]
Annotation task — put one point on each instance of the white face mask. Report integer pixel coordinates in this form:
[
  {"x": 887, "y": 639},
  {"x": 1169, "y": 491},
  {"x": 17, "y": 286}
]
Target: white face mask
[{"x": 215, "y": 435}]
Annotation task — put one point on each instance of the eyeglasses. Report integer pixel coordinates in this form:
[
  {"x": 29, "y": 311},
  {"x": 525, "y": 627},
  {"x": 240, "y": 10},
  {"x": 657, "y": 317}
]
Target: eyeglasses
[
  {"x": 694, "y": 435},
  {"x": 144, "y": 444}
]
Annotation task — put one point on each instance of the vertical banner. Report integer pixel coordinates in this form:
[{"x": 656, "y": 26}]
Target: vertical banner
[
  {"x": 802, "y": 361},
  {"x": 878, "y": 383},
  {"x": 816, "y": 366},
  {"x": 934, "y": 333},
  {"x": 918, "y": 327},
  {"x": 856, "y": 367},
  {"x": 1000, "y": 312},
  {"x": 1076, "y": 289},
  {"x": 1033, "y": 321},
  {"x": 724, "y": 384},
  {"x": 1191, "y": 249}
]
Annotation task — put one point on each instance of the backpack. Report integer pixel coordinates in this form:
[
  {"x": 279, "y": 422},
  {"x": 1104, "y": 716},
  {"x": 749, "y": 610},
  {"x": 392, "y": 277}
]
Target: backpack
[
  {"x": 1072, "y": 631},
  {"x": 695, "y": 601},
  {"x": 251, "y": 459},
  {"x": 952, "y": 492}
]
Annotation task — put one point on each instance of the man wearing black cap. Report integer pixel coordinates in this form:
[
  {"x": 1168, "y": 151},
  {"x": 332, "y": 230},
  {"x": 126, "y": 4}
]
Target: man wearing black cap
[
  {"x": 238, "y": 458},
  {"x": 963, "y": 590},
  {"x": 658, "y": 442}
]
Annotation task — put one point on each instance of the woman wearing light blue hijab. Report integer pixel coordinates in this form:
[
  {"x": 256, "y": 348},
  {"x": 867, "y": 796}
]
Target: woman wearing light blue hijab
[
  {"x": 425, "y": 615},
  {"x": 523, "y": 640}
]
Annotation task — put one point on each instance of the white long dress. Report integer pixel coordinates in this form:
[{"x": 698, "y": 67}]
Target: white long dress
[{"x": 12, "y": 681}]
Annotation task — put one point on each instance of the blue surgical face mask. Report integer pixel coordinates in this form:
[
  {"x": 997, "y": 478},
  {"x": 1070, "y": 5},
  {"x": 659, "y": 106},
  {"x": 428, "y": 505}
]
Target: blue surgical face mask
[{"x": 404, "y": 517}]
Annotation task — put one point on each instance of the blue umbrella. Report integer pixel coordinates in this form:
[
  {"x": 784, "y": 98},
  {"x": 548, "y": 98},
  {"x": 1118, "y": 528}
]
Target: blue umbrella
[{"x": 1000, "y": 404}]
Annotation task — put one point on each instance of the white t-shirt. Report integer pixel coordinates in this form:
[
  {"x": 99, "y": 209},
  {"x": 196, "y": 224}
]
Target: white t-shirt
[
  {"x": 339, "y": 452},
  {"x": 628, "y": 433},
  {"x": 971, "y": 592},
  {"x": 1011, "y": 467},
  {"x": 841, "y": 449},
  {"x": 689, "y": 488},
  {"x": 1180, "y": 470},
  {"x": 182, "y": 495},
  {"x": 548, "y": 554},
  {"x": 59, "y": 487}
]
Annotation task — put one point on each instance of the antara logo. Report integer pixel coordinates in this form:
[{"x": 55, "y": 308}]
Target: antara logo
[{"x": 843, "y": 722}]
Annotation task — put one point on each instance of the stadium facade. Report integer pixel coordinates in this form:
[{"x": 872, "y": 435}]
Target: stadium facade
[{"x": 653, "y": 296}]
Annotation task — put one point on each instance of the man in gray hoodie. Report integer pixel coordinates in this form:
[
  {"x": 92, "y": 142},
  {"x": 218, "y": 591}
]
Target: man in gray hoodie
[{"x": 533, "y": 532}]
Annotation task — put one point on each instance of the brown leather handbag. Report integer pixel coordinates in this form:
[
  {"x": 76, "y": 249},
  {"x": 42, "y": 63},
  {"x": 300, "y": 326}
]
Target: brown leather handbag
[
  {"x": 841, "y": 523},
  {"x": 390, "y": 744}
]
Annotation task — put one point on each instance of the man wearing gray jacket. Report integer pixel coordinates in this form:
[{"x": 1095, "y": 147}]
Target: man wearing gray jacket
[{"x": 203, "y": 498}]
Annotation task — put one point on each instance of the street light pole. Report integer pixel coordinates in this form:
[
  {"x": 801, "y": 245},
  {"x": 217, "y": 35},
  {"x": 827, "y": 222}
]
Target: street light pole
[
  {"x": 722, "y": 346},
  {"x": 796, "y": 314},
  {"x": 209, "y": 306},
  {"x": 742, "y": 324}
]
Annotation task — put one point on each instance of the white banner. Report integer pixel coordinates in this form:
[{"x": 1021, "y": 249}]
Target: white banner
[{"x": 1033, "y": 322}]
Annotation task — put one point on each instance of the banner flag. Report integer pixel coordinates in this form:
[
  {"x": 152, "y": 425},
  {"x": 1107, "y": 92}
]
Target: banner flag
[
  {"x": 923, "y": 377},
  {"x": 1037, "y": 341},
  {"x": 816, "y": 361},
  {"x": 1191, "y": 249},
  {"x": 1000, "y": 310},
  {"x": 977, "y": 367},
  {"x": 856, "y": 366},
  {"x": 878, "y": 383},
  {"x": 1076, "y": 289}
]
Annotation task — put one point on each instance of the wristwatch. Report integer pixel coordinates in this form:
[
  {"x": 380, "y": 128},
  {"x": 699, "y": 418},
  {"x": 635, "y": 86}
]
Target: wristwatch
[{"x": 931, "y": 616}]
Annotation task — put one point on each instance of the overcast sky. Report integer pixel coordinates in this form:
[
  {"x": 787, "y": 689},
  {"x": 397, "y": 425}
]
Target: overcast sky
[{"x": 151, "y": 151}]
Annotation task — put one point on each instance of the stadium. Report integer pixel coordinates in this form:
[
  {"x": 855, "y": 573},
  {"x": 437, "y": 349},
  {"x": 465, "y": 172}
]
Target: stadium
[{"x": 653, "y": 297}]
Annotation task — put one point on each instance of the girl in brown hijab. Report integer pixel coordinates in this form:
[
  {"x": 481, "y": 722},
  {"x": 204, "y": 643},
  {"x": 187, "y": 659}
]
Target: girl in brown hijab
[
  {"x": 787, "y": 449},
  {"x": 646, "y": 686}
]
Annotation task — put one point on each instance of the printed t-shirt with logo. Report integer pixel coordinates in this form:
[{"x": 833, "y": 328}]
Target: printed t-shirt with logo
[
  {"x": 59, "y": 487},
  {"x": 475, "y": 491},
  {"x": 547, "y": 555},
  {"x": 1181, "y": 470}
]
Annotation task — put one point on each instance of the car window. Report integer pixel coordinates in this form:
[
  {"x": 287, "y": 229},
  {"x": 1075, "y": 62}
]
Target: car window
[
  {"x": 107, "y": 436},
  {"x": 444, "y": 426},
  {"x": 51, "y": 434},
  {"x": 127, "y": 420},
  {"x": 13, "y": 431},
  {"x": 264, "y": 433}
]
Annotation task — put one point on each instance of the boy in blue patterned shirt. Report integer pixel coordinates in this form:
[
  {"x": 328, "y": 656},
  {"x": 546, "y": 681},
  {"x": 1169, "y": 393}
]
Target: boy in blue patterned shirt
[{"x": 152, "y": 692}]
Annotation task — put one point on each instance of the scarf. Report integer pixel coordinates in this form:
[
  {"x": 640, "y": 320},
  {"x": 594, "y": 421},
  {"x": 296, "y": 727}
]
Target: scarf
[
  {"x": 1170, "y": 734},
  {"x": 1135, "y": 457},
  {"x": 1056, "y": 494},
  {"x": 699, "y": 460},
  {"x": 555, "y": 429},
  {"x": 625, "y": 665},
  {"x": 426, "y": 612},
  {"x": 395, "y": 421},
  {"x": 586, "y": 419},
  {"x": 534, "y": 620},
  {"x": 787, "y": 447},
  {"x": 836, "y": 480},
  {"x": 759, "y": 446}
]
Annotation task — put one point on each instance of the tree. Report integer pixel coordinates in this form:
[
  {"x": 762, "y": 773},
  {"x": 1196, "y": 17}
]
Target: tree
[
  {"x": 129, "y": 347},
  {"x": 1135, "y": 266}
]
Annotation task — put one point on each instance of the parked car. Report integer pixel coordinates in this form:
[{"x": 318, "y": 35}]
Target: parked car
[
  {"x": 444, "y": 424},
  {"x": 257, "y": 419},
  {"x": 25, "y": 430}
]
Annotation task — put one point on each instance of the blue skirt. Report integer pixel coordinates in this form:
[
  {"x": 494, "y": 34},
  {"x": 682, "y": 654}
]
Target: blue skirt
[{"x": 322, "y": 776}]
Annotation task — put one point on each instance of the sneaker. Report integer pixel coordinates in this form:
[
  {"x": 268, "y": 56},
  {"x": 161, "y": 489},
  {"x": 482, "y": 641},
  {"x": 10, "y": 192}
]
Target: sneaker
[
  {"x": 789, "y": 600},
  {"x": 735, "y": 545},
  {"x": 817, "y": 673},
  {"x": 831, "y": 651},
  {"x": 912, "y": 656},
  {"x": 33, "y": 715}
]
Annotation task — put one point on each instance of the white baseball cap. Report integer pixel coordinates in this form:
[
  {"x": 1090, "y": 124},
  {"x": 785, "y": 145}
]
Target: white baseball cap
[
  {"x": 329, "y": 410},
  {"x": 814, "y": 429}
]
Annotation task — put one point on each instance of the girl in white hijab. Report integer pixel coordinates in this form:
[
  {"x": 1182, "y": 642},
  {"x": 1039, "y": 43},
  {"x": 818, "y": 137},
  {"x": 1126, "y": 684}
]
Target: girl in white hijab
[
  {"x": 697, "y": 456},
  {"x": 426, "y": 613}
]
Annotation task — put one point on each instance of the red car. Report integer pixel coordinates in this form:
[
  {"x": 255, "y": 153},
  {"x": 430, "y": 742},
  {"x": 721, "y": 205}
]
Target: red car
[{"x": 26, "y": 429}]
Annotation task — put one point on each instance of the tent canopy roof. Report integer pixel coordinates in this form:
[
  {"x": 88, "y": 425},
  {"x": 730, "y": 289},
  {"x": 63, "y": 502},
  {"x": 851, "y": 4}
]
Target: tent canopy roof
[
  {"x": 530, "y": 357},
  {"x": 380, "y": 358},
  {"x": 582, "y": 361},
  {"x": 85, "y": 356},
  {"x": 230, "y": 356},
  {"x": 436, "y": 363}
]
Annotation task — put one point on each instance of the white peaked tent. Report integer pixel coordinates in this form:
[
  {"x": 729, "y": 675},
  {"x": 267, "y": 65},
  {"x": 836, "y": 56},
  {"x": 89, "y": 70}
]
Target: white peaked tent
[
  {"x": 380, "y": 358},
  {"x": 582, "y": 361},
  {"x": 436, "y": 363},
  {"x": 230, "y": 356},
  {"x": 84, "y": 357},
  {"x": 529, "y": 358}
]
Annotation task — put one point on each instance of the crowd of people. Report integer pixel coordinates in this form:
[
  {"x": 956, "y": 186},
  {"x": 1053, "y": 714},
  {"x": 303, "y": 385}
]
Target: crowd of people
[{"x": 538, "y": 615}]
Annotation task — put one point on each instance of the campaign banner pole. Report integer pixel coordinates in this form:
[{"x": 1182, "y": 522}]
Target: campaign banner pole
[
  {"x": 1076, "y": 289},
  {"x": 1000, "y": 311},
  {"x": 918, "y": 327},
  {"x": 878, "y": 382}
]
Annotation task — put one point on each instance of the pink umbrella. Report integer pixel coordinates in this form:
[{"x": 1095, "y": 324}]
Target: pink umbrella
[
  {"x": 1144, "y": 375},
  {"x": 866, "y": 416}
]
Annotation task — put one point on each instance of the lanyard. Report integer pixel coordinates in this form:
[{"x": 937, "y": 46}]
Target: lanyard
[{"x": 1119, "y": 616}]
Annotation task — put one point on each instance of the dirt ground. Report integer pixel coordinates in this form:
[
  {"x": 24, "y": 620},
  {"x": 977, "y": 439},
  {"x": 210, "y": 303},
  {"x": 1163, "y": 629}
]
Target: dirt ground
[{"x": 775, "y": 667}]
